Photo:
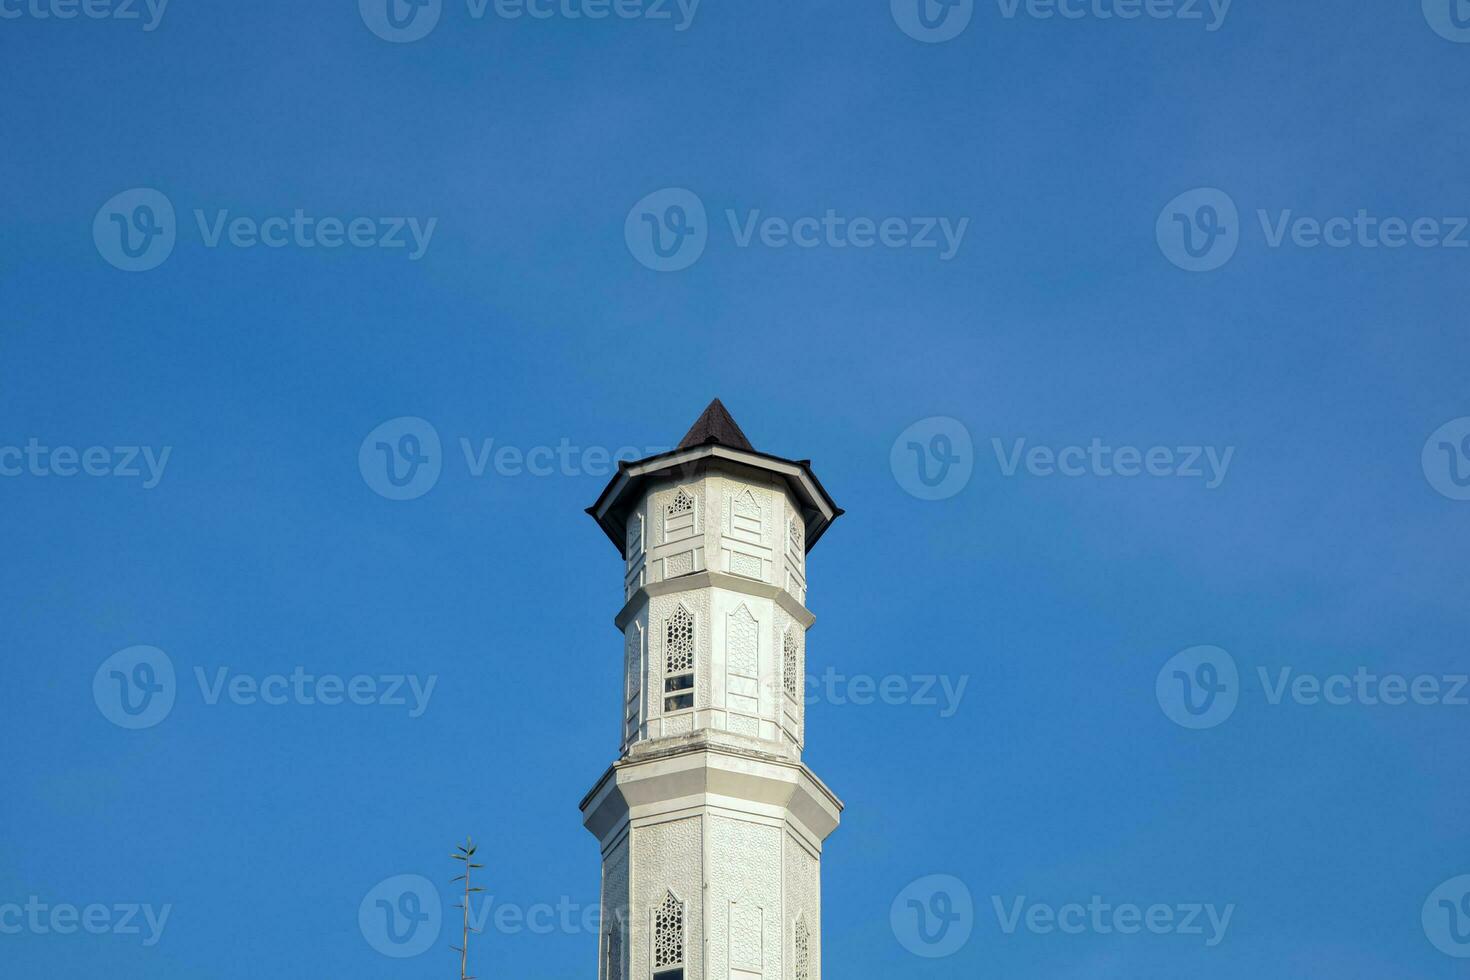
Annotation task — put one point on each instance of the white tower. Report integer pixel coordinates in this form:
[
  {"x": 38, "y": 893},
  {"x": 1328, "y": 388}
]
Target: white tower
[{"x": 710, "y": 825}]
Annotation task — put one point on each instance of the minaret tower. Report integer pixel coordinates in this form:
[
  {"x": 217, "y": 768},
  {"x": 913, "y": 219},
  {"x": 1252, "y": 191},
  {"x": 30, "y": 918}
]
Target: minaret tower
[{"x": 710, "y": 825}]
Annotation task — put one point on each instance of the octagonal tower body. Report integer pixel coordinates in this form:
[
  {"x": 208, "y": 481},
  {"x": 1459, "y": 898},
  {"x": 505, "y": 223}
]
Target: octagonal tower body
[{"x": 711, "y": 826}]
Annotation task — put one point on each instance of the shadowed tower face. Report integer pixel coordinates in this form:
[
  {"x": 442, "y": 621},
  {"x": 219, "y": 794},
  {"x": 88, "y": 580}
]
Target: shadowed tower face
[{"x": 711, "y": 826}]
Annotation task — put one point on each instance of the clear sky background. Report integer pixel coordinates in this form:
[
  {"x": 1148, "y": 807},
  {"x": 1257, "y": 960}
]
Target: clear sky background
[{"x": 528, "y": 320}]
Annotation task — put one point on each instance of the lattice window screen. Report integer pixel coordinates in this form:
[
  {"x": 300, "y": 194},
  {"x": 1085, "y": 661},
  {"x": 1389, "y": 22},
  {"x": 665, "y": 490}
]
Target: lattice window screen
[
  {"x": 803, "y": 950},
  {"x": 679, "y": 642},
  {"x": 791, "y": 664},
  {"x": 679, "y": 517},
  {"x": 679, "y": 661},
  {"x": 635, "y": 539},
  {"x": 668, "y": 933}
]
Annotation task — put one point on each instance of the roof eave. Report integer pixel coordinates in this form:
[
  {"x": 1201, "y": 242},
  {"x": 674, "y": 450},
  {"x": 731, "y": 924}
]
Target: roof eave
[{"x": 797, "y": 472}]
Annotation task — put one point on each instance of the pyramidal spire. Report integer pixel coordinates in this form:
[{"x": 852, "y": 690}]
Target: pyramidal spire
[{"x": 715, "y": 426}]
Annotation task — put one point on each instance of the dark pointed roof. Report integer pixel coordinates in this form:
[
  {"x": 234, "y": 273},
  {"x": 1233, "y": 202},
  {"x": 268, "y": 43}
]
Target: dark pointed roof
[
  {"x": 717, "y": 427},
  {"x": 714, "y": 438}
]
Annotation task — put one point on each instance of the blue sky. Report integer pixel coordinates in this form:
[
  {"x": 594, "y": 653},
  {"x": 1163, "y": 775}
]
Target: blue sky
[{"x": 1068, "y": 148}]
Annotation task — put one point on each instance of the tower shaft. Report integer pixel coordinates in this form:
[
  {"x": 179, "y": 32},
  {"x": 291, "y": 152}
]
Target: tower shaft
[{"x": 710, "y": 824}]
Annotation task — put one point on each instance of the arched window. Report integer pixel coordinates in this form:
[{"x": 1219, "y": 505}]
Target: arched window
[
  {"x": 681, "y": 504},
  {"x": 634, "y": 549},
  {"x": 679, "y": 516},
  {"x": 803, "y": 949},
  {"x": 791, "y": 664},
  {"x": 679, "y": 661},
  {"x": 614, "y": 966},
  {"x": 633, "y": 687},
  {"x": 745, "y": 518},
  {"x": 668, "y": 939}
]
